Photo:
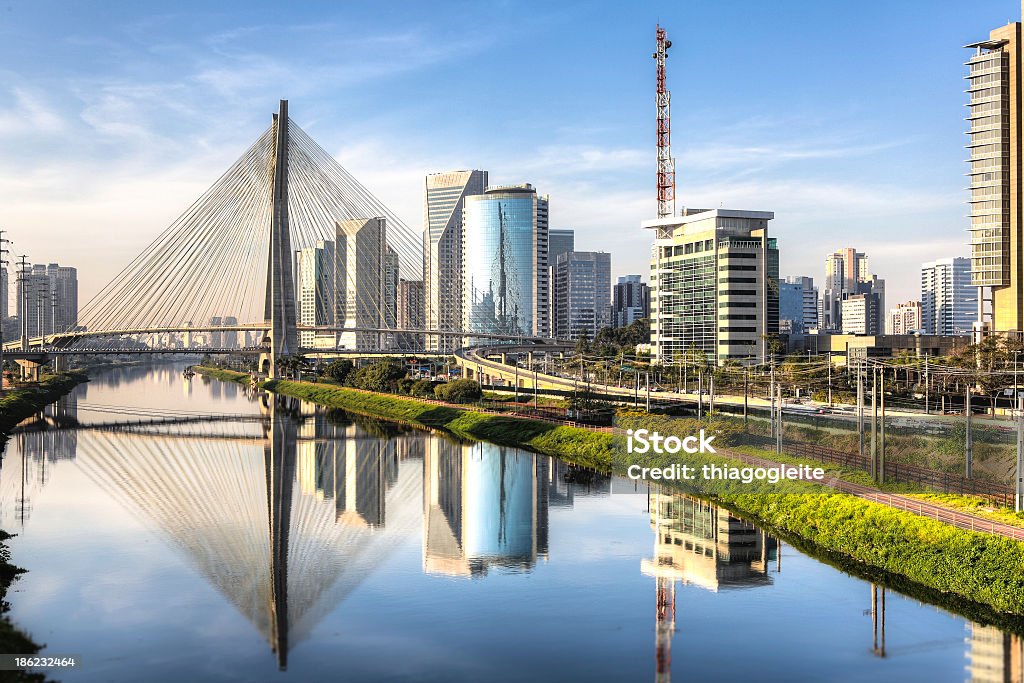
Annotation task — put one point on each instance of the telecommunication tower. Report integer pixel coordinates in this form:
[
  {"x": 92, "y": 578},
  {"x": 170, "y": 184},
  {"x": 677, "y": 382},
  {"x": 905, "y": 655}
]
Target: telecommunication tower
[{"x": 666, "y": 164}]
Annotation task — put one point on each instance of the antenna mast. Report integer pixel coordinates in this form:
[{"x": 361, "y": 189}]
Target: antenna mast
[{"x": 666, "y": 164}]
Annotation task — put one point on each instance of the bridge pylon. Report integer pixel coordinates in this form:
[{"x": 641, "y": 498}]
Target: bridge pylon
[{"x": 280, "y": 301}]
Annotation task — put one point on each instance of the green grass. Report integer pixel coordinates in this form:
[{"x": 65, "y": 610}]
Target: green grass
[{"x": 981, "y": 570}]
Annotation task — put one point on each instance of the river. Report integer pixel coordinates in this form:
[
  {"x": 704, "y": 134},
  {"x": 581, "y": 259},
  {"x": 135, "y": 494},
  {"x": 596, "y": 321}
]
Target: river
[{"x": 183, "y": 530}]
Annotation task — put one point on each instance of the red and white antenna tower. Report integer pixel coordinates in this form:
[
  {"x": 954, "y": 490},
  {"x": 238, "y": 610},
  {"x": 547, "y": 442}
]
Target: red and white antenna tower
[{"x": 666, "y": 164}]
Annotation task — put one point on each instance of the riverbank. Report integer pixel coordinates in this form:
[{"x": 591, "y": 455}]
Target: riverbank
[
  {"x": 977, "y": 568},
  {"x": 18, "y": 403}
]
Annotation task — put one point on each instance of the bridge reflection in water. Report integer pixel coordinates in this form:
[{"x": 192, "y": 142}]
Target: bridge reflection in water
[{"x": 285, "y": 513}]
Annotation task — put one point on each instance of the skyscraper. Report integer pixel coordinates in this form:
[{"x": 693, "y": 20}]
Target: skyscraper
[
  {"x": 798, "y": 304},
  {"x": 995, "y": 118},
  {"x": 862, "y": 314},
  {"x": 631, "y": 301},
  {"x": 560, "y": 242},
  {"x": 318, "y": 278},
  {"x": 580, "y": 291},
  {"x": 444, "y": 200},
  {"x": 949, "y": 304},
  {"x": 505, "y": 272},
  {"x": 410, "y": 314},
  {"x": 47, "y": 298},
  {"x": 367, "y": 283},
  {"x": 904, "y": 319},
  {"x": 714, "y": 285},
  {"x": 844, "y": 268}
]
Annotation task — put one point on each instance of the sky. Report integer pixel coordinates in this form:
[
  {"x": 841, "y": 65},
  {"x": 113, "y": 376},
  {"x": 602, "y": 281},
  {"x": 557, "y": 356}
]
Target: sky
[{"x": 845, "y": 119}]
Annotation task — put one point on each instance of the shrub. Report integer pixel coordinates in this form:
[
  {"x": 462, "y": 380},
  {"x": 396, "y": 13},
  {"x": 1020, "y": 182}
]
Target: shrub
[
  {"x": 459, "y": 391},
  {"x": 422, "y": 388}
]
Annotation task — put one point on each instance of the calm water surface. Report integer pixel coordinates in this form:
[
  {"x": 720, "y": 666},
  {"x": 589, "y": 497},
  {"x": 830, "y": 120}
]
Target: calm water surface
[{"x": 181, "y": 530}]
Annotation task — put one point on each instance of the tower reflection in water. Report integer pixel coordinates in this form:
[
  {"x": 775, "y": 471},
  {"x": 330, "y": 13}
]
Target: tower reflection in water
[
  {"x": 286, "y": 513},
  {"x": 698, "y": 543}
]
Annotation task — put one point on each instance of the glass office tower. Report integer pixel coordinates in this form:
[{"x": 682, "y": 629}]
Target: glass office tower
[{"x": 505, "y": 262}]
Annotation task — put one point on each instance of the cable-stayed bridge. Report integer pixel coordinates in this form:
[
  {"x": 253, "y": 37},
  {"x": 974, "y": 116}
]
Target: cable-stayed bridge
[{"x": 286, "y": 248}]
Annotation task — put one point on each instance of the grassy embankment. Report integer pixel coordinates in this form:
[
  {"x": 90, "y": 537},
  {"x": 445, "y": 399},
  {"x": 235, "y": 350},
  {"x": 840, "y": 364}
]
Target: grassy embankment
[{"x": 982, "y": 573}]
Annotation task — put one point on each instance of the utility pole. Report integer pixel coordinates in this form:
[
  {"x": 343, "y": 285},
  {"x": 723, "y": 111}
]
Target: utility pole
[
  {"x": 746, "y": 374},
  {"x": 1018, "y": 493},
  {"x": 881, "y": 439},
  {"x": 829, "y": 379},
  {"x": 778, "y": 428},
  {"x": 771, "y": 394},
  {"x": 711, "y": 394},
  {"x": 967, "y": 446},
  {"x": 23, "y": 313},
  {"x": 516, "y": 361},
  {"x": 874, "y": 423},
  {"x": 700, "y": 394},
  {"x": 3, "y": 265},
  {"x": 927, "y": 409},
  {"x": 860, "y": 407},
  {"x": 647, "y": 379}
]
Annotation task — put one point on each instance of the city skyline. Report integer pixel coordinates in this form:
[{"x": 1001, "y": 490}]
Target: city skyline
[{"x": 832, "y": 164}]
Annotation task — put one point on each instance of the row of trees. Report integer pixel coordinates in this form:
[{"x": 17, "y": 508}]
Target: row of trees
[{"x": 390, "y": 375}]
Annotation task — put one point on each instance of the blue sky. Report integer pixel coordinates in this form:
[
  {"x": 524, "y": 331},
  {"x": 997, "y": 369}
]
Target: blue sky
[{"x": 846, "y": 119}]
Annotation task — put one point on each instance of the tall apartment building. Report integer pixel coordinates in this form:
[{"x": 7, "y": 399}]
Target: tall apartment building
[
  {"x": 631, "y": 301},
  {"x": 845, "y": 269},
  {"x": 581, "y": 289},
  {"x": 904, "y": 319},
  {"x": 317, "y": 276},
  {"x": 714, "y": 285},
  {"x": 444, "y": 201},
  {"x": 798, "y": 304},
  {"x": 505, "y": 270},
  {"x": 367, "y": 282},
  {"x": 995, "y": 119},
  {"x": 862, "y": 314},
  {"x": 47, "y": 298},
  {"x": 410, "y": 314},
  {"x": 949, "y": 303}
]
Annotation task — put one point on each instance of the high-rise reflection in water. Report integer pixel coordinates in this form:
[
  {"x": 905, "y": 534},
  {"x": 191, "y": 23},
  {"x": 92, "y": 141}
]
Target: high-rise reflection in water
[
  {"x": 993, "y": 655},
  {"x": 43, "y": 439},
  {"x": 699, "y": 543},
  {"x": 285, "y": 513}
]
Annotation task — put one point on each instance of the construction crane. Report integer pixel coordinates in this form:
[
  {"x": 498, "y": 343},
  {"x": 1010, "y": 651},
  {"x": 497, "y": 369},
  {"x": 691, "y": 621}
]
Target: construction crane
[{"x": 666, "y": 164}]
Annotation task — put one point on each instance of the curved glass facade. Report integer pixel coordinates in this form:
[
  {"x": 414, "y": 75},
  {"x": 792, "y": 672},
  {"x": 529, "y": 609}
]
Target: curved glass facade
[{"x": 500, "y": 257}]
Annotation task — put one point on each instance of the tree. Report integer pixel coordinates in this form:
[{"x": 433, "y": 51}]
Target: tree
[
  {"x": 339, "y": 370},
  {"x": 459, "y": 391},
  {"x": 381, "y": 376},
  {"x": 291, "y": 365}
]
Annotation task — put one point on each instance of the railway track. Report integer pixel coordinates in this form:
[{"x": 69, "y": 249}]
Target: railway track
[{"x": 939, "y": 513}]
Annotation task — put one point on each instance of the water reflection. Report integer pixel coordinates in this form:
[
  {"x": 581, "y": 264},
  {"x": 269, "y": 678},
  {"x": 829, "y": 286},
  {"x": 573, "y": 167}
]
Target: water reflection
[
  {"x": 286, "y": 509},
  {"x": 994, "y": 656},
  {"x": 701, "y": 544},
  {"x": 286, "y": 512}
]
